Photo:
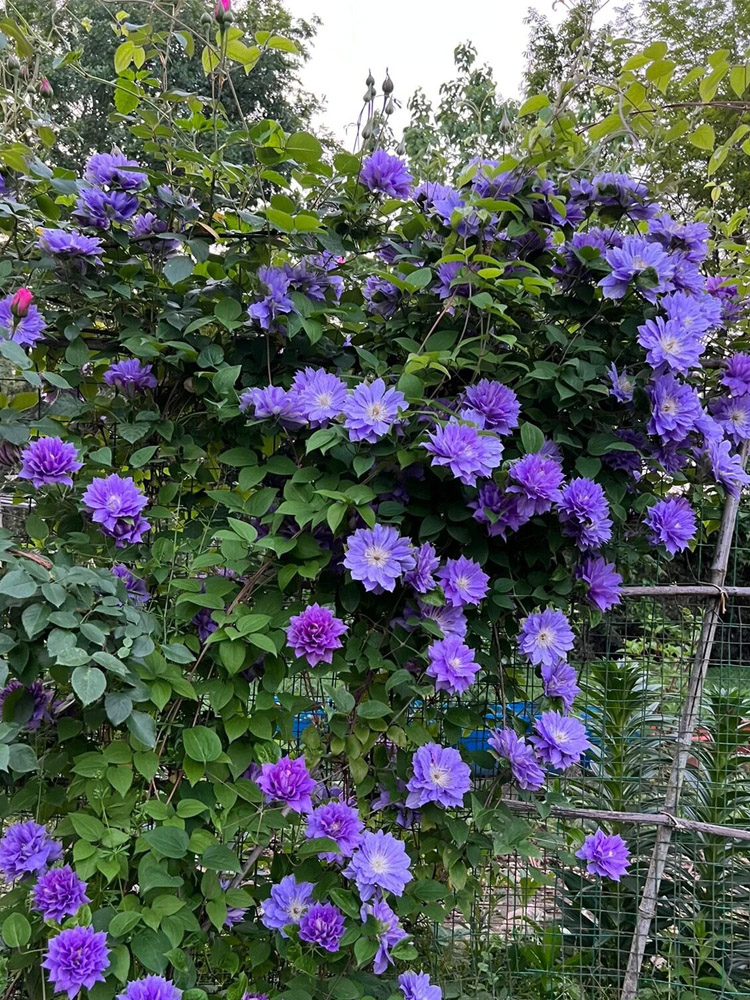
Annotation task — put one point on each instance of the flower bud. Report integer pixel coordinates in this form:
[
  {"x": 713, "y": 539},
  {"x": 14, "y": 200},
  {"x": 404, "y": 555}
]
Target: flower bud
[
  {"x": 370, "y": 81},
  {"x": 367, "y": 130},
  {"x": 45, "y": 89},
  {"x": 369, "y": 95},
  {"x": 14, "y": 64},
  {"x": 505, "y": 125},
  {"x": 387, "y": 84},
  {"x": 19, "y": 304},
  {"x": 24, "y": 71},
  {"x": 222, "y": 11},
  {"x": 390, "y": 106},
  {"x": 206, "y": 18}
]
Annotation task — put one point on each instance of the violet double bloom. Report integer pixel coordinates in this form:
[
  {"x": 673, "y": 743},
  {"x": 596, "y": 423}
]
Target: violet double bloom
[{"x": 115, "y": 504}]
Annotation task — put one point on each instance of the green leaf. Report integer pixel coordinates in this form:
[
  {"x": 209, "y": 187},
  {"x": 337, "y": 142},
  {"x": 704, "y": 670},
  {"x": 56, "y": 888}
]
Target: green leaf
[
  {"x": 532, "y": 438},
  {"x": 219, "y": 858},
  {"x": 142, "y": 727},
  {"x": 122, "y": 923},
  {"x": 373, "y": 710},
  {"x": 123, "y": 56},
  {"x": 177, "y": 269},
  {"x": 150, "y": 948},
  {"x": 169, "y": 841},
  {"x": 18, "y": 585},
  {"x": 22, "y": 759},
  {"x": 89, "y": 683},
  {"x": 703, "y": 137},
  {"x": 143, "y": 455},
  {"x": 739, "y": 79},
  {"x": 533, "y": 104},
  {"x": 16, "y": 930},
  {"x": 303, "y": 147},
  {"x": 202, "y": 744}
]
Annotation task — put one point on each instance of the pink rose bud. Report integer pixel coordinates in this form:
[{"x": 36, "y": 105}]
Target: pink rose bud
[
  {"x": 222, "y": 11},
  {"x": 45, "y": 89},
  {"x": 19, "y": 304}
]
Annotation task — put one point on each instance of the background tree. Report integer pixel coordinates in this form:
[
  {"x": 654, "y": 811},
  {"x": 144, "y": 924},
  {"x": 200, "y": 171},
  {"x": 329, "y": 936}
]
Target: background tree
[
  {"x": 85, "y": 33},
  {"x": 471, "y": 119}
]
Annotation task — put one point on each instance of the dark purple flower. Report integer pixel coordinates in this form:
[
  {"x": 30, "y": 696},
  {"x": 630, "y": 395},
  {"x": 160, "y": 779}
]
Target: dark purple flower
[
  {"x": 130, "y": 377},
  {"x": 136, "y": 588},
  {"x": 560, "y": 681},
  {"x": 727, "y": 467},
  {"x": 275, "y": 302},
  {"x": 672, "y": 523},
  {"x": 427, "y": 561},
  {"x": 320, "y": 397},
  {"x": 466, "y": 451},
  {"x": 629, "y": 460},
  {"x": 638, "y": 264},
  {"x": 314, "y": 634},
  {"x": 602, "y": 582},
  {"x": 339, "y": 822},
  {"x": 322, "y": 924},
  {"x": 417, "y": 986},
  {"x": 286, "y": 905},
  {"x": 371, "y": 410},
  {"x": 150, "y": 988},
  {"x": 71, "y": 243},
  {"x": 385, "y": 174},
  {"x": 448, "y": 283},
  {"x": 491, "y": 182},
  {"x": 452, "y": 665},
  {"x": 496, "y": 403},
  {"x": 523, "y": 764},
  {"x": 25, "y": 330},
  {"x": 382, "y": 296},
  {"x": 76, "y": 957},
  {"x": 727, "y": 294},
  {"x": 666, "y": 342},
  {"x": 440, "y": 776},
  {"x": 380, "y": 864},
  {"x": 288, "y": 781},
  {"x": 115, "y": 505},
  {"x": 27, "y": 849},
  {"x": 736, "y": 375},
  {"x": 59, "y": 893},
  {"x": 536, "y": 479},
  {"x": 693, "y": 314},
  {"x": 579, "y": 252},
  {"x": 39, "y": 708},
  {"x": 622, "y": 385},
  {"x": 605, "y": 855},
  {"x": 450, "y": 621},
  {"x": 390, "y": 932},
  {"x": 546, "y": 637},
  {"x": 463, "y": 581},
  {"x": 690, "y": 238},
  {"x": 311, "y": 277},
  {"x": 49, "y": 461},
  {"x": 116, "y": 171},
  {"x": 204, "y": 622},
  {"x": 378, "y": 557},
  {"x": 498, "y": 510},
  {"x": 100, "y": 209},
  {"x": 733, "y": 414},
  {"x": 675, "y": 409},
  {"x": 274, "y": 403},
  {"x": 559, "y": 739},
  {"x": 584, "y": 513},
  {"x": 617, "y": 190}
]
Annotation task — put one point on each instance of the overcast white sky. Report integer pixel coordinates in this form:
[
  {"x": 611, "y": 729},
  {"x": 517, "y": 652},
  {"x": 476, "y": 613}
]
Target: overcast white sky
[{"x": 415, "y": 40}]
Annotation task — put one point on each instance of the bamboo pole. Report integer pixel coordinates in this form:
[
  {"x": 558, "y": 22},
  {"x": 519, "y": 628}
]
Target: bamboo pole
[
  {"x": 685, "y": 590},
  {"x": 647, "y": 819},
  {"x": 688, "y": 720}
]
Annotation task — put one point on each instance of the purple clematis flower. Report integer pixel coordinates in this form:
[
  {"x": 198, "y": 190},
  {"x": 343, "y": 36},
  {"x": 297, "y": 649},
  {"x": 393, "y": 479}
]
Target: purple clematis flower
[
  {"x": 465, "y": 450},
  {"x": 666, "y": 342},
  {"x": 390, "y": 932},
  {"x": 602, "y": 582},
  {"x": 26, "y": 326},
  {"x": 440, "y": 776},
  {"x": 546, "y": 637},
  {"x": 637, "y": 264},
  {"x": 150, "y": 988},
  {"x": 27, "y": 849},
  {"x": 116, "y": 171},
  {"x": 523, "y": 764},
  {"x": 452, "y": 665},
  {"x": 286, "y": 905},
  {"x": 59, "y": 893},
  {"x": 605, "y": 855},
  {"x": 275, "y": 403},
  {"x": 380, "y": 864},
  {"x": 70, "y": 243},
  {"x": 496, "y": 403},
  {"x": 371, "y": 410},
  {"x": 288, "y": 781},
  {"x": 130, "y": 377},
  {"x": 49, "y": 461},
  {"x": 727, "y": 467},
  {"x": 463, "y": 581},
  {"x": 584, "y": 514},
  {"x": 314, "y": 634},
  {"x": 672, "y": 523},
  {"x": 379, "y": 557},
  {"x": 536, "y": 480},
  {"x": 322, "y": 924},
  {"x": 559, "y": 739},
  {"x": 385, "y": 174},
  {"x": 560, "y": 681},
  {"x": 736, "y": 375},
  {"x": 427, "y": 561},
  {"x": 417, "y": 986},
  {"x": 339, "y": 822},
  {"x": 76, "y": 958}
]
